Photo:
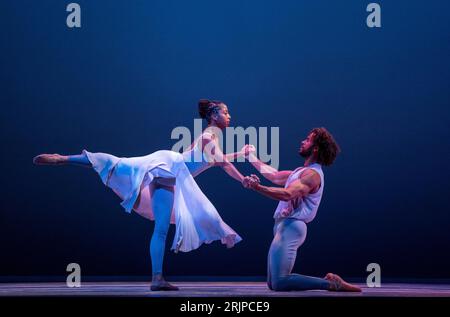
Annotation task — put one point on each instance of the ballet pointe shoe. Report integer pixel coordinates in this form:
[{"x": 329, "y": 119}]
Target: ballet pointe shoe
[
  {"x": 163, "y": 286},
  {"x": 49, "y": 159},
  {"x": 337, "y": 284}
]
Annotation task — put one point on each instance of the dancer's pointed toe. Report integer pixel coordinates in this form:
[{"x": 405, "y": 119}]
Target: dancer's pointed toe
[{"x": 48, "y": 159}]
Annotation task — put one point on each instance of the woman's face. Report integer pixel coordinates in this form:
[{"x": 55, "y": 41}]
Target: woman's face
[{"x": 222, "y": 118}]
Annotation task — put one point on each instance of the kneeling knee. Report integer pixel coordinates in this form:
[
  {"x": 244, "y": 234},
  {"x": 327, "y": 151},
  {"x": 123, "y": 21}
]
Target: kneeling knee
[{"x": 278, "y": 285}]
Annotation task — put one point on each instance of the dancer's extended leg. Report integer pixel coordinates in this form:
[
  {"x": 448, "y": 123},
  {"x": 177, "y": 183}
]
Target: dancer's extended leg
[{"x": 57, "y": 159}]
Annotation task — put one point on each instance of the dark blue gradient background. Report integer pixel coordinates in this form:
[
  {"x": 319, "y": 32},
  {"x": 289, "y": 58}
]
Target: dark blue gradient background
[{"x": 136, "y": 69}]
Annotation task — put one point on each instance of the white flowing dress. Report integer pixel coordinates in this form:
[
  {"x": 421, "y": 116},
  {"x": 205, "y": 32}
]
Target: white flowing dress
[{"x": 197, "y": 220}]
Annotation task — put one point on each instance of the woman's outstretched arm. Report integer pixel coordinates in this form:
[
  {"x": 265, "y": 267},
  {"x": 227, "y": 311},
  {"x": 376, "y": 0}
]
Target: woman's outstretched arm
[
  {"x": 244, "y": 152},
  {"x": 234, "y": 156},
  {"x": 215, "y": 155}
]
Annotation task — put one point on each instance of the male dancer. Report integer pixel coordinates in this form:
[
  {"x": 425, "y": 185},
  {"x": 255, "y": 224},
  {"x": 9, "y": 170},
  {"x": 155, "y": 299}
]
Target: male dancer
[{"x": 299, "y": 201}]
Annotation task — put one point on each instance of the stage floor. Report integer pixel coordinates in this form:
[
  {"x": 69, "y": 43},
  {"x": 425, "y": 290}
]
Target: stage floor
[{"x": 212, "y": 289}]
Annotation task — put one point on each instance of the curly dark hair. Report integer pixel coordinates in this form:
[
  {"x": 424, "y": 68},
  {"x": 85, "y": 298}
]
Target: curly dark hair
[{"x": 328, "y": 147}]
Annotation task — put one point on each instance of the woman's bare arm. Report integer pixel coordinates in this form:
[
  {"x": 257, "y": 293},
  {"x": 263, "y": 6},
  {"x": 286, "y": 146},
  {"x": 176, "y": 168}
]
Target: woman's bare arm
[{"x": 214, "y": 154}]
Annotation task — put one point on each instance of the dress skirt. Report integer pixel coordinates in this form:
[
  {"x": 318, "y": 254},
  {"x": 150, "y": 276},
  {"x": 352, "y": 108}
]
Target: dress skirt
[{"x": 197, "y": 220}]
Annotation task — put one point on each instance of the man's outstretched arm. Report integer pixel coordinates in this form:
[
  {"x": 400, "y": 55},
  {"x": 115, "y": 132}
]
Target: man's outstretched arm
[
  {"x": 270, "y": 173},
  {"x": 307, "y": 183}
]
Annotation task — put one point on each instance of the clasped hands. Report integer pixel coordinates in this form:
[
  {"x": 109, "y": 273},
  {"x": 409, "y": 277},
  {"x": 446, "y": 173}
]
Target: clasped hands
[
  {"x": 251, "y": 181},
  {"x": 247, "y": 150}
]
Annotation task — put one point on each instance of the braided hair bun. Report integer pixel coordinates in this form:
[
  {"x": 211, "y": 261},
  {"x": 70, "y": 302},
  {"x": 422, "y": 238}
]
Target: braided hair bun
[{"x": 203, "y": 106}]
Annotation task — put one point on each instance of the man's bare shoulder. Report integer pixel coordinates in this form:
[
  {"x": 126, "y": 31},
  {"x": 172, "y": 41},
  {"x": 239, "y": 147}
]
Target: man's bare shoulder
[{"x": 311, "y": 178}]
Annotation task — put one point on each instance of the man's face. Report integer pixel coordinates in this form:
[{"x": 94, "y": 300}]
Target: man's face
[{"x": 307, "y": 146}]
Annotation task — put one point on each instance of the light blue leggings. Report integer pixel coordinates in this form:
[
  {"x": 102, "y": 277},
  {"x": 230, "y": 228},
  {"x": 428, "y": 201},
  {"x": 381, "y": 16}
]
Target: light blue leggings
[
  {"x": 162, "y": 202},
  {"x": 289, "y": 235}
]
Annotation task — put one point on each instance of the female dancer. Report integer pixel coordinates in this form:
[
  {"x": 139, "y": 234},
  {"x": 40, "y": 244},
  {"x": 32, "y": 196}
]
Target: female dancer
[{"x": 160, "y": 187}]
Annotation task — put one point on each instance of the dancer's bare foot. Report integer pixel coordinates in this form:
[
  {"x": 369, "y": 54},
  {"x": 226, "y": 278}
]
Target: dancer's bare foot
[
  {"x": 159, "y": 284},
  {"x": 337, "y": 284},
  {"x": 163, "y": 286},
  {"x": 50, "y": 159}
]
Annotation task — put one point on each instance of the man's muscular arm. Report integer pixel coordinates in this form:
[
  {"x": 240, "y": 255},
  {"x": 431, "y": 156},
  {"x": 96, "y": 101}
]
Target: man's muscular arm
[{"x": 308, "y": 182}]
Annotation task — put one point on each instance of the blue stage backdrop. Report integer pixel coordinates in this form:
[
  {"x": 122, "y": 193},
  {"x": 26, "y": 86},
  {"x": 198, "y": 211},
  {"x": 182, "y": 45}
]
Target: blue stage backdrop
[{"x": 135, "y": 70}]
